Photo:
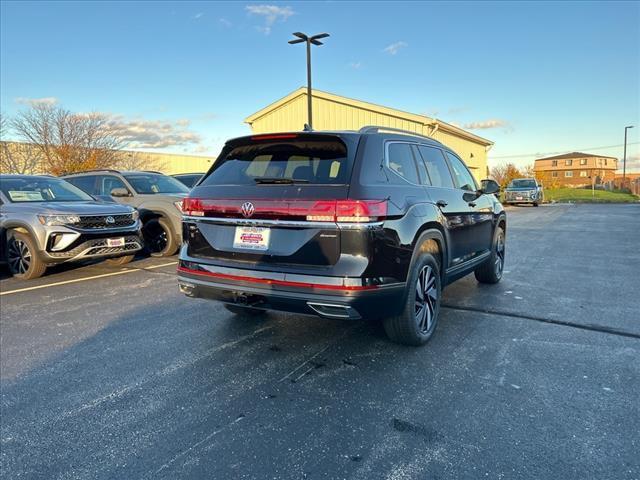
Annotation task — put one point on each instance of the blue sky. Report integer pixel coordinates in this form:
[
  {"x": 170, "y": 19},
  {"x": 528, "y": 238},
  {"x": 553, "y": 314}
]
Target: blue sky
[{"x": 533, "y": 77}]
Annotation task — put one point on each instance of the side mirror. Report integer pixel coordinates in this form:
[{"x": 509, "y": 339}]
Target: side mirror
[
  {"x": 489, "y": 186},
  {"x": 120, "y": 192}
]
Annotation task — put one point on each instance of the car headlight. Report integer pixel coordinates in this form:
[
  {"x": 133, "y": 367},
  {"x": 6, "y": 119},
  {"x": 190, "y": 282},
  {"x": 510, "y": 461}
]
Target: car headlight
[
  {"x": 178, "y": 205},
  {"x": 52, "y": 220},
  {"x": 533, "y": 195},
  {"x": 135, "y": 215}
]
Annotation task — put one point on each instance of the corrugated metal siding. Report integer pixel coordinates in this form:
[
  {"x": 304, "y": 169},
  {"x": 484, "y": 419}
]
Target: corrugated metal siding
[
  {"x": 174, "y": 163},
  {"x": 330, "y": 115}
]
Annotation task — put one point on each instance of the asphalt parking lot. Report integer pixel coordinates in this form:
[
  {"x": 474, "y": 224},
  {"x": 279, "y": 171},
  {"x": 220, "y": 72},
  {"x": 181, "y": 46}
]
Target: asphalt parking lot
[{"x": 110, "y": 372}]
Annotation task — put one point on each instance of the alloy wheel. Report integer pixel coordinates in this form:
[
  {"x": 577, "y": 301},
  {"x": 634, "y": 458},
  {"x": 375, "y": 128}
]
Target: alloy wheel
[
  {"x": 499, "y": 262},
  {"x": 19, "y": 256},
  {"x": 426, "y": 298},
  {"x": 156, "y": 238}
]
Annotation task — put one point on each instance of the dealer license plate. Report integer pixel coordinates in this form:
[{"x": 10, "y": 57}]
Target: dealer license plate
[
  {"x": 115, "y": 242},
  {"x": 252, "y": 238},
  {"x": 518, "y": 198}
]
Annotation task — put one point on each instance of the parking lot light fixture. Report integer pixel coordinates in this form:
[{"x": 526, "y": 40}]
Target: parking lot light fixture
[
  {"x": 624, "y": 157},
  {"x": 315, "y": 39}
]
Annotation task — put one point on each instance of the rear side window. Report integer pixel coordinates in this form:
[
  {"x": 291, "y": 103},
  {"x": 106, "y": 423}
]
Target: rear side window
[
  {"x": 319, "y": 160},
  {"x": 463, "y": 178},
  {"x": 108, "y": 183},
  {"x": 85, "y": 183},
  {"x": 400, "y": 161},
  {"x": 436, "y": 166}
]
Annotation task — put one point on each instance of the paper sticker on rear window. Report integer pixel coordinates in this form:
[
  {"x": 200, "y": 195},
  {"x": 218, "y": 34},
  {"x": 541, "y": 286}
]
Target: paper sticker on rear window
[{"x": 25, "y": 196}]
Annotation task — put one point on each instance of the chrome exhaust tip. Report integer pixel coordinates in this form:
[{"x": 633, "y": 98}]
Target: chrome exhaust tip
[
  {"x": 187, "y": 288},
  {"x": 330, "y": 310}
]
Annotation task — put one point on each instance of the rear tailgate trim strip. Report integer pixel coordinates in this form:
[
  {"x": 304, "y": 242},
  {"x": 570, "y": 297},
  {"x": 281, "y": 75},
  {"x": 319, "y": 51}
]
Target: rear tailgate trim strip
[
  {"x": 271, "y": 281},
  {"x": 279, "y": 223}
]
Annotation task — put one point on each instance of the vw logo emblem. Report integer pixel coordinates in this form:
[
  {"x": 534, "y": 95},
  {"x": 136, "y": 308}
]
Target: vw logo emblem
[
  {"x": 247, "y": 209},
  {"x": 110, "y": 220}
]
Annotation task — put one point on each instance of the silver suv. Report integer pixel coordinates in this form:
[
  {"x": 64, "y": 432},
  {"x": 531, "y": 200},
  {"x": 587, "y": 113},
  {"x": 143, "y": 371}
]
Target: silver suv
[
  {"x": 157, "y": 197},
  {"x": 523, "y": 190},
  {"x": 45, "y": 220}
]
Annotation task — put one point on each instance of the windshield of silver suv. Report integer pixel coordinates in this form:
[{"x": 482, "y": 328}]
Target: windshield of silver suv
[
  {"x": 19, "y": 190},
  {"x": 522, "y": 184},
  {"x": 155, "y": 183}
]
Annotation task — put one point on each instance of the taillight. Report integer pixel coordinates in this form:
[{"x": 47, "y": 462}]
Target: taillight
[
  {"x": 193, "y": 207},
  {"x": 274, "y": 136},
  {"x": 342, "y": 211},
  {"x": 360, "y": 211}
]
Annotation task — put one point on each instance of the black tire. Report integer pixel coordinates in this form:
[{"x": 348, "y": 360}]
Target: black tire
[
  {"x": 535, "y": 204},
  {"x": 245, "y": 311},
  {"x": 419, "y": 317},
  {"x": 22, "y": 257},
  {"x": 120, "y": 260},
  {"x": 491, "y": 270},
  {"x": 159, "y": 238}
]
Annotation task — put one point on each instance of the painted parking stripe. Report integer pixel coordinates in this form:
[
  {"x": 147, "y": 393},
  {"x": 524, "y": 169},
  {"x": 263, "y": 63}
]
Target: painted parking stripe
[{"x": 27, "y": 289}]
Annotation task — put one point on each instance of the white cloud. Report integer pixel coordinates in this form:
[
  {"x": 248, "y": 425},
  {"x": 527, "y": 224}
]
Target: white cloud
[
  {"x": 355, "y": 65},
  {"x": 140, "y": 133},
  {"x": 394, "y": 48},
  {"x": 225, "y": 23},
  {"x": 49, "y": 101},
  {"x": 487, "y": 124},
  {"x": 633, "y": 163},
  {"x": 271, "y": 15},
  {"x": 198, "y": 15}
]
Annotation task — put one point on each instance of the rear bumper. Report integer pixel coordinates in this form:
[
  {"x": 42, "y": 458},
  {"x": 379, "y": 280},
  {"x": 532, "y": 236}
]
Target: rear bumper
[{"x": 328, "y": 297}]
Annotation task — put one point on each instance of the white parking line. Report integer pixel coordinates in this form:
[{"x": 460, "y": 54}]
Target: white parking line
[{"x": 87, "y": 278}]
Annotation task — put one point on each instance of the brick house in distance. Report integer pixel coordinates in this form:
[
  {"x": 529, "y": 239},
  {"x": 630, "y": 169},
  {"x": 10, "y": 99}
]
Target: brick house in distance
[{"x": 575, "y": 169}]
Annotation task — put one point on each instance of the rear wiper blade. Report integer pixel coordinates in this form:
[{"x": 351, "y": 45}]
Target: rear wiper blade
[{"x": 286, "y": 181}]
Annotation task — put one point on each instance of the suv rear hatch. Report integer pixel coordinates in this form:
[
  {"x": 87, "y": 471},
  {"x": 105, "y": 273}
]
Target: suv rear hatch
[{"x": 275, "y": 199}]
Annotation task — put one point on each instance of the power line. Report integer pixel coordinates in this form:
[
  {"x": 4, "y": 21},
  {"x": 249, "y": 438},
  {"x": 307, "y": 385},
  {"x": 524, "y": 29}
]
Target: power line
[{"x": 538, "y": 154}]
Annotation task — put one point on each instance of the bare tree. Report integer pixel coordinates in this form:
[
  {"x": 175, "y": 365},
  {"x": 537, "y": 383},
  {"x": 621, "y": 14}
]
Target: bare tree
[
  {"x": 16, "y": 157},
  {"x": 138, "y": 161},
  {"x": 528, "y": 171},
  {"x": 504, "y": 173},
  {"x": 68, "y": 142}
]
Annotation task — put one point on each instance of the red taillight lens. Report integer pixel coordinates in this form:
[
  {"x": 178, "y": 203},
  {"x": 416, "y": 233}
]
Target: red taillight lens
[
  {"x": 360, "y": 210},
  {"x": 274, "y": 136},
  {"x": 348, "y": 211},
  {"x": 193, "y": 207},
  {"x": 345, "y": 211},
  {"x": 322, "y": 211}
]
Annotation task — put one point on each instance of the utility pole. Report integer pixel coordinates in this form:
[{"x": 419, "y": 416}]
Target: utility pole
[
  {"x": 315, "y": 39},
  {"x": 624, "y": 158}
]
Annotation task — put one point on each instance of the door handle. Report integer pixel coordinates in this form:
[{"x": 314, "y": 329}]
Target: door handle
[{"x": 441, "y": 203}]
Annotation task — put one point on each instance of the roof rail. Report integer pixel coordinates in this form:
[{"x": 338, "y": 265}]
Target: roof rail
[
  {"x": 95, "y": 170},
  {"x": 377, "y": 129}
]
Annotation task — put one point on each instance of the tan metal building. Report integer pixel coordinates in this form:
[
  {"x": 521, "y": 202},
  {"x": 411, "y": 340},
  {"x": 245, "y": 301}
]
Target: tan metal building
[
  {"x": 576, "y": 169},
  {"x": 334, "y": 112}
]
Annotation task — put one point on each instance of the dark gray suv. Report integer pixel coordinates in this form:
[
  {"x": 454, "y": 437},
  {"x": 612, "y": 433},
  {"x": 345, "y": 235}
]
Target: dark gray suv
[
  {"x": 157, "y": 197},
  {"x": 45, "y": 220}
]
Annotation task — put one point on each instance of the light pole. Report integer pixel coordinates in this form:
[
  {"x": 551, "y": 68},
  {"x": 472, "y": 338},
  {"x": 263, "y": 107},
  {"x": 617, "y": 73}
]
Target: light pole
[
  {"x": 624, "y": 157},
  {"x": 315, "y": 39}
]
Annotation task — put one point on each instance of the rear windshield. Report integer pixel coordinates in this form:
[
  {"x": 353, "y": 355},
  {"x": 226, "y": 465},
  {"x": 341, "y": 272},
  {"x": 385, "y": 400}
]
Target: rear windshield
[
  {"x": 295, "y": 160},
  {"x": 522, "y": 184}
]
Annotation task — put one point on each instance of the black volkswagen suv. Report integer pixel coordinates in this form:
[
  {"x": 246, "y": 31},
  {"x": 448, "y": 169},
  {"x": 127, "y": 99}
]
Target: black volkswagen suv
[{"x": 368, "y": 224}]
